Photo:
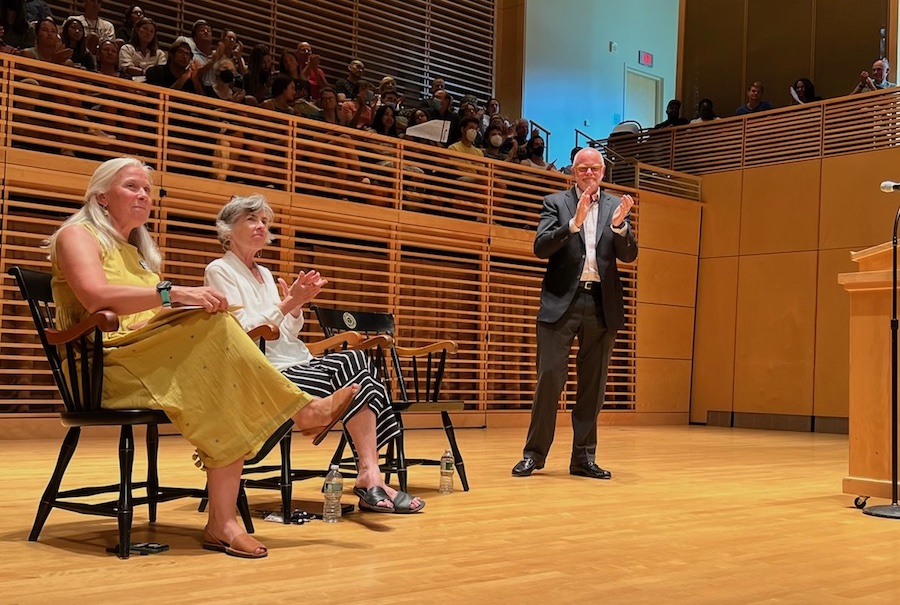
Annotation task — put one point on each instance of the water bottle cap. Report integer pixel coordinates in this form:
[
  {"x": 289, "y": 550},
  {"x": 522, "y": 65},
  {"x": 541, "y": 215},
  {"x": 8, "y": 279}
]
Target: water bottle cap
[{"x": 335, "y": 467}]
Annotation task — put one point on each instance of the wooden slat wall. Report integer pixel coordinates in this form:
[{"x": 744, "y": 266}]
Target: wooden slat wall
[
  {"x": 851, "y": 124},
  {"x": 413, "y": 41},
  {"x": 451, "y": 258}
]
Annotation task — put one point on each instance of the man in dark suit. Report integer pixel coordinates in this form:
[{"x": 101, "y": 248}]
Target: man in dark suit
[{"x": 581, "y": 232}]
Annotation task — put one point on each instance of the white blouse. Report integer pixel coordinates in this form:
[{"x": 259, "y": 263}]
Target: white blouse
[
  {"x": 129, "y": 56},
  {"x": 230, "y": 276}
]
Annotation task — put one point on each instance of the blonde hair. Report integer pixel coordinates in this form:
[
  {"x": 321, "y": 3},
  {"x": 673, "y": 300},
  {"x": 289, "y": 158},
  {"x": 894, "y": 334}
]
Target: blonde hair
[
  {"x": 236, "y": 208},
  {"x": 93, "y": 214}
]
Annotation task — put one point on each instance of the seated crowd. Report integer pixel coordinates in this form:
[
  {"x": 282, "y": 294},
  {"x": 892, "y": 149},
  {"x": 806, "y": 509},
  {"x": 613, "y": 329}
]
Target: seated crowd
[
  {"x": 801, "y": 91},
  {"x": 199, "y": 64}
]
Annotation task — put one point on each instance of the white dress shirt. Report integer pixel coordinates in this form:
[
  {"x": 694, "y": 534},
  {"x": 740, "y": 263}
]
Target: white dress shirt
[{"x": 590, "y": 272}]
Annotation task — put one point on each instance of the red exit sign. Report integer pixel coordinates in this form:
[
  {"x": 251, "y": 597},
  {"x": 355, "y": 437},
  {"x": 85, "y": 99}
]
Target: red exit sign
[{"x": 645, "y": 59}]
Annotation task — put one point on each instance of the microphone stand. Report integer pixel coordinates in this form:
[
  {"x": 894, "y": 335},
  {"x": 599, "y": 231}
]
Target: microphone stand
[{"x": 892, "y": 510}]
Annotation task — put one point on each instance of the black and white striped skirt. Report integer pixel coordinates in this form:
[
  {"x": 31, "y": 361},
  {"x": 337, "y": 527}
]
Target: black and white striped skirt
[{"x": 322, "y": 376}]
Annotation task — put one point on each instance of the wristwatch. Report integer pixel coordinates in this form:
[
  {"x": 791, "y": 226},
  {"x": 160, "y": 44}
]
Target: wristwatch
[
  {"x": 163, "y": 288},
  {"x": 619, "y": 226}
]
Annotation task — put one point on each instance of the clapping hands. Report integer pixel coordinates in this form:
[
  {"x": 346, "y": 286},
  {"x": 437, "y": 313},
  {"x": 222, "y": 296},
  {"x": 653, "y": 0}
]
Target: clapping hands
[{"x": 304, "y": 289}]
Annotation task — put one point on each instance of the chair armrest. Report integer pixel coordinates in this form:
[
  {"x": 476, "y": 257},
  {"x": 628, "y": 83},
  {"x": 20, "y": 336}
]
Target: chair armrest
[
  {"x": 441, "y": 345},
  {"x": 334, "y": 342},
  {"x": 104, "y": 319},
  {"x": 382, "y": 340},
  {"x": 265, "y": 331}
]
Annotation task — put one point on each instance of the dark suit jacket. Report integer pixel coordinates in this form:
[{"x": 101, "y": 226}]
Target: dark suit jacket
[{"x": 565, "y": 253}]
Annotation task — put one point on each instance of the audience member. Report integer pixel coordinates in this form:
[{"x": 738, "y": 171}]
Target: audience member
[
  {"x": 804, "y": 91},
  {"x": 108, "y": 59},
  {"x": 754, "y": 101},
  {"x": 48, "y": 46},
  {"x": 673, "y": 115},
  {"x": 36, "y": 10},
  {"x": 133, "y": 14},
  {"x": 344, "y": 86},
  {"x": 283, "y": 95},
  {"x": 202, "y": 49},
  {"x": 493, "y": 139},
  {"x": 417, "y": 117},
  {"x": 493, "y": 108},
  {"x": 230, "y": 47},
  {"x": 142, "y": 52},
  {"x": 179, "y": 72},
  {"x": 445, "y": 112},
  {"x": 575, "y": 150},
  {"x": 96, "y": 28},
  {"x": 877, "y": 81},
  {"x": 19, "y": 32},
  {"x": 535, "y": 159},
  {"x": 258, "y": 79},
  {"x": 310, "y": 70},
  {"x": 468, "y": 109},
  {"x": 468, "y": 130},
  {"x": 705, "y": 112},
  {"x": 357, "y": 111},
  {"x": 288, "y": 64},
  {"x": 330, "y": 112},
  {"x": 73, "y": 39},
  {"x": 385, "y": 121},
  {"x": 226, "y": 77},
  {"x": 520, "y": 135}
]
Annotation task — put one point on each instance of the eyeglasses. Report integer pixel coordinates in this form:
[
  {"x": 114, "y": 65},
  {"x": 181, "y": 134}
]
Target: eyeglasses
[{"x": 585, "y": 169}]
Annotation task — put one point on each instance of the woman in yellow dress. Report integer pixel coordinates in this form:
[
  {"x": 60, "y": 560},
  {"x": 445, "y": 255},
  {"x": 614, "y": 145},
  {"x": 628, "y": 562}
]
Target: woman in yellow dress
[{"x": 198, "y": 365}]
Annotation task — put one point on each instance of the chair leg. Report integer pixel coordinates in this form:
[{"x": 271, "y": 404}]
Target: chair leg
[
  {"x": 243, "y": 506},
  {"x": 401, "y": 460},
  {"x": 203, "y": 501},
  {"x": 152, "y": 469},
  {"x": 125, "y": 514},
  {"x": 287, "y": 485},
  {"x": 338, "y": 456},
  {"x": 454, "y": 448},
  {"x": 48, "y": 500}
]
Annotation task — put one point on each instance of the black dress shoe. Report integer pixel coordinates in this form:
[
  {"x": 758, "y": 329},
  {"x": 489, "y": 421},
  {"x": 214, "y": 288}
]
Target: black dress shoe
[
  {"x": 591, "y": 470},
  {"x": 525, "y": 467}
]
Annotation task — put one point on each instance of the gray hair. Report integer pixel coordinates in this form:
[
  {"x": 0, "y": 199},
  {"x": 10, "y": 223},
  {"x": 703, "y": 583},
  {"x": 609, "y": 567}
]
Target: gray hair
[
  {"x": 236, "y": 208},
  {"x": 91, "y": 213}
]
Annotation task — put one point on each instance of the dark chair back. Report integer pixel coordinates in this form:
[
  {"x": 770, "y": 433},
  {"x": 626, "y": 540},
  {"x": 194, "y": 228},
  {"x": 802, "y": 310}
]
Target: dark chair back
[
  {"x": 80, "y": 391},
  {"x": 368, "y": 323}
]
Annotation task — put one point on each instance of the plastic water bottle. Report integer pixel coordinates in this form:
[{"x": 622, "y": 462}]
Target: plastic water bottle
[
  {"x": 334, "y": 489},
  {"x": 447, "y": 468}
]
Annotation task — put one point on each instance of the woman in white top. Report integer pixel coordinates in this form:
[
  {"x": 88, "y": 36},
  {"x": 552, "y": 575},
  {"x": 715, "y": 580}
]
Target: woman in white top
[
  {"x": 369, "y": 423},
  {"x": 142, "y": 52}
]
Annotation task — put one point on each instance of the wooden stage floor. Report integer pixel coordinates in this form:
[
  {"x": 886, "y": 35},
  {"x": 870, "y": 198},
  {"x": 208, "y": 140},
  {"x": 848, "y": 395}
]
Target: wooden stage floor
[{"x": 696, "y": 515}]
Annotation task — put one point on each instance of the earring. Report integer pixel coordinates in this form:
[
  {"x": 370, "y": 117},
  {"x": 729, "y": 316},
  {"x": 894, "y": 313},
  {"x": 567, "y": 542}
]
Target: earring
[{"x": 104, "y": 210}]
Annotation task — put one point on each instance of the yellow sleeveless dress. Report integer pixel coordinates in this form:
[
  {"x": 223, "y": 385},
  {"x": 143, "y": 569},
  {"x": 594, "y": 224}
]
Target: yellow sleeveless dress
[{"x": 213, "y": 382}]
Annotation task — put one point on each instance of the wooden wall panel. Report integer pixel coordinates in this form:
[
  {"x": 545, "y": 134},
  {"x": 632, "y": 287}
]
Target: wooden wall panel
[
  {"x": 667, "y": 278},
  {"x": 721, "y": 221},
  {"x": 712, "y": 385},
  {"x": 780, "y": 208},
  {"x": 832, "y": 370},
  {"x": 665, "y": 332},
  {"x": 663, "y": 385},
  {"x": 669, "y": 223},
  {"x": 854, "y": 213},
  {"x": 775, "y": 337},
  {"x": 779, "y": 39}
]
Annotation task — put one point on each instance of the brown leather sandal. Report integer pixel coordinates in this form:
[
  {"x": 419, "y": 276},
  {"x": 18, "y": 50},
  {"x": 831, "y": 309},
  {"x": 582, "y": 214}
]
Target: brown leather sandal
[{"x": 243, "y": 546}]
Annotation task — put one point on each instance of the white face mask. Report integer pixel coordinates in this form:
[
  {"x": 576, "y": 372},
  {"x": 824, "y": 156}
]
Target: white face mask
[
  {"x": 496, "y": 140},
  {"x": 471, "y": 134}
]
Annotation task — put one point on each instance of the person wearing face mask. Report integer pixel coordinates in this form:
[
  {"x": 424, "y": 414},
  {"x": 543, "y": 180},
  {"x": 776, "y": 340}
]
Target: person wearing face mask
[
  {"x": 226, "y": 79},
  {"x": 493, "y": 143},
  {"x": 535, "y": 159},
  {"x": 468, "y": 129}
]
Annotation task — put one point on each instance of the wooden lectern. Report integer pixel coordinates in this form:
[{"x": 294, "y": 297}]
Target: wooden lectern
[{"x": 870, "y": 372}]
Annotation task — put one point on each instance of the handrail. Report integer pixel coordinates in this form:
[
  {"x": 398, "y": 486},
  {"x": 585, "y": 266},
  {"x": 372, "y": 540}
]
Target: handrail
[{"x": 545, "y": 134}]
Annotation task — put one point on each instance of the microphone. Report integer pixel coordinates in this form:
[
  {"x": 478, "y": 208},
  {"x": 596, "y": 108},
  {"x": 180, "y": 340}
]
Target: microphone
[{"x": 889, "y": 186}]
